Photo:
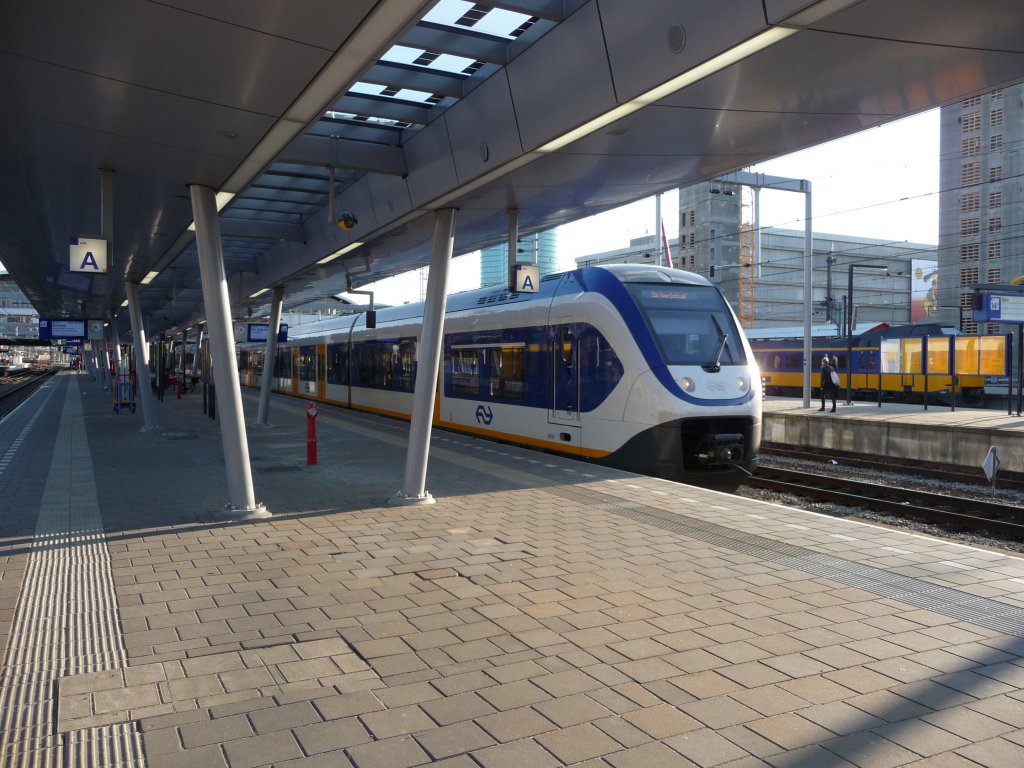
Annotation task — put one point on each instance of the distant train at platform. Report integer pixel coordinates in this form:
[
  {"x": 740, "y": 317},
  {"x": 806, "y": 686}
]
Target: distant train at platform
[
  {"x": 781, "y": 363},
  {"x": 631, "y": 366}
]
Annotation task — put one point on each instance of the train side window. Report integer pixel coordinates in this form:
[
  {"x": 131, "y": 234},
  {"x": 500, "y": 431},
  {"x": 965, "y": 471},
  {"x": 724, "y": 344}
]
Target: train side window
[
  {"x": 283, "y": 364},
  {"x": 407, "y": 365},
  {"x": 307, "y": 363},
  {"x": 256, "y": 363},
  {"x": 337, "y": 364},
  {"x": 507, "y": 375},
  {"x": 365, "y": 365},
  {"x": 466, "y": 371}
]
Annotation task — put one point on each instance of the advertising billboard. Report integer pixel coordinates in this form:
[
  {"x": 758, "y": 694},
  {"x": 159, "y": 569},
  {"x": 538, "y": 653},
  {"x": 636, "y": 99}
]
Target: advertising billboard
[{"x": 924, "y": 290}]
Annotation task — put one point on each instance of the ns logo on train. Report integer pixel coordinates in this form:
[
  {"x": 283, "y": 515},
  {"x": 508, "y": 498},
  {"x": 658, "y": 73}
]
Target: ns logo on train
[{"x": 484, "y": 415}]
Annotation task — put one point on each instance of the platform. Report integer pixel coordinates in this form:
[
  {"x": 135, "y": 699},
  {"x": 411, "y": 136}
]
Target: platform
[
  {"x": 543, "y": 612},
  {"x": 939, "y": 434}
]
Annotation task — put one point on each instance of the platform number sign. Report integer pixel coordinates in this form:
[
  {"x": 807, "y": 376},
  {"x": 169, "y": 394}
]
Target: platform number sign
[{"x": 88, "y": 255}]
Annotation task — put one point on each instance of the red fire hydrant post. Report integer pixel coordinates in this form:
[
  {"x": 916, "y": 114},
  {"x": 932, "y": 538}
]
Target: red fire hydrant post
[{"x": 311, "y": 412}]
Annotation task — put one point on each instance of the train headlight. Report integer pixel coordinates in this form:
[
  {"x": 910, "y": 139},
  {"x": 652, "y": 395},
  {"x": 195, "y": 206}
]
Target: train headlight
[
  {"x": 741, "y": 383},
  {"x": 688, "y": 385}
]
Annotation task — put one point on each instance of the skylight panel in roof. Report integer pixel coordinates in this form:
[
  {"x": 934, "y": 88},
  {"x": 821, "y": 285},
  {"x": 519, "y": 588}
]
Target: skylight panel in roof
[
  {"x": 445, "y": 62},
  {"x": 460, "y": 14},
  {"x": 332, "y": 115}
]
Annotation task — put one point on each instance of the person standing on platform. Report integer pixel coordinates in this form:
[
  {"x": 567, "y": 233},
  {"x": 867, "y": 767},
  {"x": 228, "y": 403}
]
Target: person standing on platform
[{"x": 829, "y": 383}]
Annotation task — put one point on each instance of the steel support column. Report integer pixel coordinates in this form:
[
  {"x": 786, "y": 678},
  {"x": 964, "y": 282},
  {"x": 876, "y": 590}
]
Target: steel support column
[
  {"x": 431, "y": 344},
  {"x": 808, "y": 290},
  {"x": 241, "y": 497},
  {"x": 276, "y": 301},
  {"x": 143, "y": 390}
]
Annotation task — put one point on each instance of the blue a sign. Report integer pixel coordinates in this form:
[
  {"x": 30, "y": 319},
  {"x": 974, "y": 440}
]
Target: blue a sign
[
  {"x": 527, "y": 278},
  {"x": 88, "y": 255},
  {"x": 998, "y": 308}
]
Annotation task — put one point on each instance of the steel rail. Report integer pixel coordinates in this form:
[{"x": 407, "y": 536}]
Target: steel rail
[
  {"x": 950, "y": 472},
  {"x": 899, "y": 501}
]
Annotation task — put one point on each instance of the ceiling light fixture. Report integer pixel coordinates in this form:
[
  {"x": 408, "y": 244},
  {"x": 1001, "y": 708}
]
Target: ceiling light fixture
[
  {"x": 149, "y": 278},
  {"x": 725, "y": 59},
  {"x": 348, "y": 248}
]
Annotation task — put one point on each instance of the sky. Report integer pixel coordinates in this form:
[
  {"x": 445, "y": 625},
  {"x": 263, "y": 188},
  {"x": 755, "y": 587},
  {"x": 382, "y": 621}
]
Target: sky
[{"x": 880, "y": 183}]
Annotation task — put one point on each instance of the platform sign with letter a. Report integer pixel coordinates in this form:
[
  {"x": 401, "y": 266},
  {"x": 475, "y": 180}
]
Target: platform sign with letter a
[
  {"x": 527, "y": 278},
  {"x": 88, "y": 255}
]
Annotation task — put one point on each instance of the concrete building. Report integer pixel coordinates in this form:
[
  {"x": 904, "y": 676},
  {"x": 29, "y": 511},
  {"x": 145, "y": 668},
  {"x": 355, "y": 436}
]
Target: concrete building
[
  {"x": 776, "y": 274},
  {"x": 981, "y": 204},
  {"x": 18, "y": 318}
]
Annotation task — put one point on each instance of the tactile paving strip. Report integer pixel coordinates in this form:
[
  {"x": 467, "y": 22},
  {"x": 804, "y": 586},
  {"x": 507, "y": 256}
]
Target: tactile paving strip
[
  {"x": 992, "y": 614},
  {"x": 66, "y": 621}
]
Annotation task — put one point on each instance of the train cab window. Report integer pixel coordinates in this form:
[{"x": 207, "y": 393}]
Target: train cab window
[
  {"x": 691, "y": 324},
  {"x": 600, "y": 369}
]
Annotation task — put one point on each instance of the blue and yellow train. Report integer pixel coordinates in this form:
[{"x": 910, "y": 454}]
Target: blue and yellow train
[
  {"x": 632, "y": 366},
  {"x": 781, "y": 363}
]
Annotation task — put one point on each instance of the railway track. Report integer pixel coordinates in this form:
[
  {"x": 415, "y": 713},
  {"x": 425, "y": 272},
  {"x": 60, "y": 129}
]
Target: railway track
[
  {"x": 14, "y": 393},
  {"x": 946, "y": 472},
  {"x": 971, "y": 514}
]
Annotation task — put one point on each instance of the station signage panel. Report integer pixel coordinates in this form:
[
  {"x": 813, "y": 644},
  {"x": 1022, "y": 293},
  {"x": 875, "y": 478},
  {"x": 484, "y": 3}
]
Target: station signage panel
[
  {"x": 998, "y": 308},
  {"x": 258, "y": 332},
  {"x": 61, "y": 329},
  {"x": 88, "y": 255},
  {"x": 527, "y": 278}
]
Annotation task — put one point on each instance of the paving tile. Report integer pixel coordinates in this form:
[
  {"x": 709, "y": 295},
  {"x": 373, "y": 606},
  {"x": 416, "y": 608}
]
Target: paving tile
[
  {"x": 516, "y": 754},
  {"x": 652, "y": 755},
  {"x": 215, "y": 731},
  {"x": 454, "y": 739},
  {"x": 331, "y": 736},
  {"x": 662, "y": 721},
  {"x": 578, "y": 743},
  {"x": 705, "y": 748},
  {"x": 398, "y": 752},
  {"x": 397, "y": 722},
  {"x": 347, "y": 704},
  {"x": 790, "y": 730},
  {"x": 869, "y": 750},
  {"x": 284, "y": 718},
  {"x": 203, "y": 757},
  {"x": 720, "y": 712},
  {"x": 454, "y": 709},
  {"x": 921, "y": 737},
  {"x": 513, "y": 695},
  {"x": 261, "y": 750},
  {"x": 515, "y": 724},
  {"x": 572, "y": 710}
]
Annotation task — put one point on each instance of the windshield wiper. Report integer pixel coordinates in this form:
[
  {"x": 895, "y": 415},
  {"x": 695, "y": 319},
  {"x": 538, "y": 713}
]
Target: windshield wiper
[{"x": 723, "y": 342}]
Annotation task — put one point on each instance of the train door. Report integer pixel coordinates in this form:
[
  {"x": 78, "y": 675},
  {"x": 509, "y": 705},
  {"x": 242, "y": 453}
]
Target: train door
[{"x": 565, "y": 383}]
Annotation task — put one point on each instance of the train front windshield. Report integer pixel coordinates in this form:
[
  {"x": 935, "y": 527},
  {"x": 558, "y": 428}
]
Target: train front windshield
[{"x": 692, "y": 324}]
